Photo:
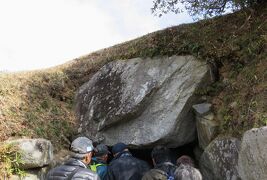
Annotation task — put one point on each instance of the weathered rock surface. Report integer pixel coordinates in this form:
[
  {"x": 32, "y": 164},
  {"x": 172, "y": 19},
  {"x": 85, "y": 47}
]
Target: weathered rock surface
[
  {"x": 142, "y": 102},
  {"x": 28, "y": 176},
  {"x": 202, "y": 109},
  {"x": 220, "y": 158},
  {"x": 40, "y": 173},
  {"x": 252, "y": 162},
  {"x": 36, "y": 174},
  {"x": 35, "y": 152},
  {"x": 207, "y": 127},
  {"x": 60, "y": 158}
]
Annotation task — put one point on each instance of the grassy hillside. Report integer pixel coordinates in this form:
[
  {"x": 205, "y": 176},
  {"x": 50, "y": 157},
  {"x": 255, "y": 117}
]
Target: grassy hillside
[{"x": 40, "y": 103}]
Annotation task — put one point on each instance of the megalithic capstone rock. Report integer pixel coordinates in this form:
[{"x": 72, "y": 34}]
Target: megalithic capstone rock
[{"x": 142, "y": 102}]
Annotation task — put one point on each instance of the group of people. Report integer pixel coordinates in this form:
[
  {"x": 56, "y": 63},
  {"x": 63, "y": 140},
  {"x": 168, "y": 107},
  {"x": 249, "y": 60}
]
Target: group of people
[{"x": 90, "y": 163}]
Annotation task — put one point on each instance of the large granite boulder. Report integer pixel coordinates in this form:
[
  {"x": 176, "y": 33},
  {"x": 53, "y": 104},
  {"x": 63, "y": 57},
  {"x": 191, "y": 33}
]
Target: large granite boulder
[
  {"x": 252, "y": 162},
  {"x": 220, "y": 158},
  {"x": 35, "y": 152},
  {"x": 142, "y": 102}
]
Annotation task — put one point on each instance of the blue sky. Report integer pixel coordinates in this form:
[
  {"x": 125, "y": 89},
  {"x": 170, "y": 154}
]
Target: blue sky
[{"x": 37, "y": 34}]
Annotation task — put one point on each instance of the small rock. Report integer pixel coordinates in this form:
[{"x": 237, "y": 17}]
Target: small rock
[
  {"x": 202, "y": 109},
  {"x": 233, "y": 104}
]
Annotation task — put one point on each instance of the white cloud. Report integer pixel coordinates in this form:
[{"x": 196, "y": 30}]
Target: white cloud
[{"x": 42, "y": 33}]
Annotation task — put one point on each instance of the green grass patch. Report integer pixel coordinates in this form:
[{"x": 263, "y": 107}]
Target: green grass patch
[{"x": 10, "y": 160}]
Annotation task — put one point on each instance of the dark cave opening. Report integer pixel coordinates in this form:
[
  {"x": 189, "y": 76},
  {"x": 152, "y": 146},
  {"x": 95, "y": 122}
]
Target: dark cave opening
[{"x": 175, "y": 153}]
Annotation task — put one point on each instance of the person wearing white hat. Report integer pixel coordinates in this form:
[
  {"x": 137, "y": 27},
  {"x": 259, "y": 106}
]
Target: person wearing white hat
[{"x": 76, "y": 167}]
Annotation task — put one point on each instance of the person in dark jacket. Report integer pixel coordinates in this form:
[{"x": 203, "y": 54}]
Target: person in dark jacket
[
  {"x": 124, "y": 166},
  {"x": 76, "y": 167},
  {"x": 99, "y": 161},
  {"x": 163, "y": 167}
]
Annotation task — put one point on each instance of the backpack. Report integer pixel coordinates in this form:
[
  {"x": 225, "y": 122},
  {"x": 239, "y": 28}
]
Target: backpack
[{"x": 170, "y": 174}]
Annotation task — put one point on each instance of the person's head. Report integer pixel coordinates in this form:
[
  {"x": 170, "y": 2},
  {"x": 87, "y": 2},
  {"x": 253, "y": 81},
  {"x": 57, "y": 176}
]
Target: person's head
[
  {"x": 160, "y": 154},
  {"x": 82, "y": 148},
  {"x": 187, "y": 172},
  {"x": 118, "y": 148},
  {"x": 186, "y": 160},
  {"x": 101, "y": 152}
]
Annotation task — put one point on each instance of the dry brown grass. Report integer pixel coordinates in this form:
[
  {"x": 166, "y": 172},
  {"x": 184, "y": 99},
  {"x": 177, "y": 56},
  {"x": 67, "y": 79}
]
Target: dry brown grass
[{"x": 29, "y": 106}]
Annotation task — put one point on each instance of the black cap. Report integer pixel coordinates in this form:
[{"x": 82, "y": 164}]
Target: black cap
[
  {"x": 101, "y": 150},
  {"x": 119, "y": 147}
]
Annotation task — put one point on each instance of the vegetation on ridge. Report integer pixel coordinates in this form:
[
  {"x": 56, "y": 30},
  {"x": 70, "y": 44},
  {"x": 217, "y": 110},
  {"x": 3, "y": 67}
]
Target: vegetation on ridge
[
  {"x": 40, "y": 103},
  {"x": 205, "y": 8}
]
